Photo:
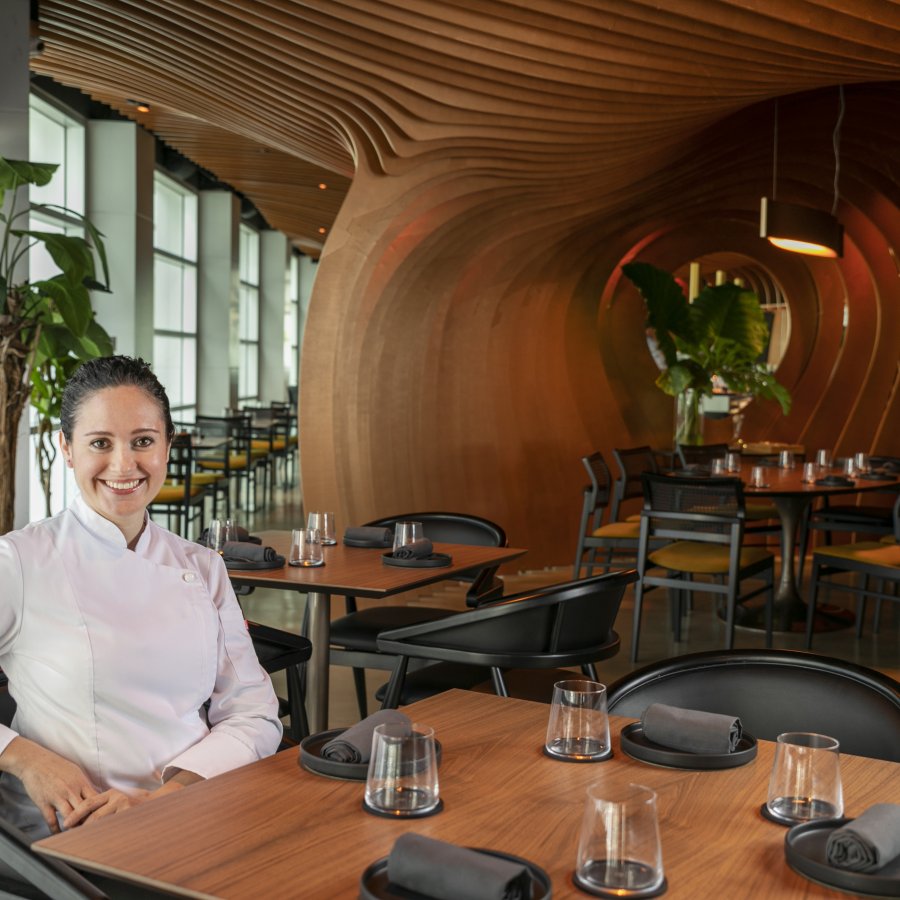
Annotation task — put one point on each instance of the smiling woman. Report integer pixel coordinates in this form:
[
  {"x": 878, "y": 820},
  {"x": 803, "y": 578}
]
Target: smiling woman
[{"x": 124, "y": 645}]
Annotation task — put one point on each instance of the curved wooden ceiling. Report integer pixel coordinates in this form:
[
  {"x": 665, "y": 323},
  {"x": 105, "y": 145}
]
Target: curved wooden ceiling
[{"x": 489, "y": 166}]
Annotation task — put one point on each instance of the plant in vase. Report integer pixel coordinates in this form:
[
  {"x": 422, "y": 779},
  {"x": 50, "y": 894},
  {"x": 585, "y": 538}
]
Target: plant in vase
[
  {"x": 47, "y": 326},
  {"x": 721, "y": 335}
]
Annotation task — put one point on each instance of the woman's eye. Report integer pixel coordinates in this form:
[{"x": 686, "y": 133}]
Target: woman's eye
[
  {"x": 144, "y": 442},
  {"x": 100, "y": 444}
]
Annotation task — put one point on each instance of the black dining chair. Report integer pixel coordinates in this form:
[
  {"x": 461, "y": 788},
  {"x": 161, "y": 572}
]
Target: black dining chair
[
  {"x": 569, "y": 624},
  {"x": 774, "y": 691},
  {"x": 354, "y": 636},
  {"x": 181, "y": 498},
  {"x": 703, "y": 520}
]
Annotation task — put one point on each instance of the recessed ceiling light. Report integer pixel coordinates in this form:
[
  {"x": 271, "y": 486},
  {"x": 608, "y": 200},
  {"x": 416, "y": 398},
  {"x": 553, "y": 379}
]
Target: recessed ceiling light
[
  {"x": 140, "y": 105},
  {"x": 322, "y": 230},
  {"x": 322, "y": 186}
]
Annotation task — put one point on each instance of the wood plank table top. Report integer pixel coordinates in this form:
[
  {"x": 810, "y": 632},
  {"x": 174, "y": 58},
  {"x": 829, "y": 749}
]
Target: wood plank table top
[
  {"x": 360, "y": 572},
  {"x": 275, "y": 830}
]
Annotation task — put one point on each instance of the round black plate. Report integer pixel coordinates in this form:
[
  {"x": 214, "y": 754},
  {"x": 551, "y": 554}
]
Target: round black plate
[
  {"x": 588, "y": 888},
  {"x": 404, "y": 814},
  {"x": 834, "y": 481},
  {"x": 380, "y": 545},
  {"x": 877, "y": 476},
  {"x": 311, "y": 758},
  {"x": 634, "y": 743},
  {"x": 435, "y": 561},
  {"x": 804, "y": 849},
  {"x": 374, "y": 884}
]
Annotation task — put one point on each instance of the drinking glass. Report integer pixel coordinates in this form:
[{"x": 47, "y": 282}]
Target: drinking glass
[
  {"x": 324, "y": 523},
  {"x": 619, "y": 851},
  {"x": 809, "y": 473},
  {"x": 733, "y": 462},
  {"x": 216, "y": 535},
  {"x": 403, "y": 775},
  {"x": 848, "y": 467},
  {"x": 785, "y": 459},
  {"x": 578, "y": 727},
  {"x": 718, "y": 467},
  {"x": 806, "y": 779},
  {"x": 231, "y": 530},
  {"x": 306, "y": 548},
  {"x": 757, "y": 477},
  {"x": 406, "y": 533},
  {"x": 861, "y": 461},
  {"x": 823, "y": 459}
]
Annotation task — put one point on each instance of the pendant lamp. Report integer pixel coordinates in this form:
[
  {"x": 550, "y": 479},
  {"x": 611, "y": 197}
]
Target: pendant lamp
[{"x": 802, "y": 229}]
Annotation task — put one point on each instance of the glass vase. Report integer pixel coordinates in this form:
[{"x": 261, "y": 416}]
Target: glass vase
[{"x": 688, "y": 418}]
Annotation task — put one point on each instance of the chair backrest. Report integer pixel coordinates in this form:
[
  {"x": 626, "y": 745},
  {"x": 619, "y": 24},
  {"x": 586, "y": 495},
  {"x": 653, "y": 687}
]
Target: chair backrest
[
  {"x": 52, "y": 878},
  {"x": 560, "y": 625},
  {"x": 696, "y": 509},
  {"x": 451, "y": 528},
  {"x": 774, "y": 691},
  {"x": 700, "y": 454},
  {"x": 7, "y": 704},
  {"x": 632, "y": 463},
  {"x": 598, "y": 493}
]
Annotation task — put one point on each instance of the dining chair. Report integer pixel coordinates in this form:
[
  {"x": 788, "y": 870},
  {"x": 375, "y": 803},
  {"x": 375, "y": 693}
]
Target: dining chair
[
  {"x": 233, "y": 459},
  {"x": 354, "y": 636},
  {"x": 562, "y": 625},
  {"x": 875, "y": 563},
  {"x": 774, "y": 691},
  {"x": 181, "y": 497},
  {"x": 703, "y": 520}
]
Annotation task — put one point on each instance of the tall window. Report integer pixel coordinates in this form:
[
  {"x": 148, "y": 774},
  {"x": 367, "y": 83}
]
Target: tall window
[
  {"x": 175, "y": 293},
  {"x": 248, "y": 315},
  {"x": 54, "y": 137},
  {"x": 292, "y": 323}
]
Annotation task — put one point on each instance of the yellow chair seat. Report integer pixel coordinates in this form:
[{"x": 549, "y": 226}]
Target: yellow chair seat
[
  {"x": 235, "y": 461},
  {"x": 703, "y": 559},
  {"x": 258, "y": 452},
  {"x": 634, "y": 518},
  {"x": 277, "y": 444},
  {"x": 174, "y": 493},
  {"x": 618, "y": 530},
  {"x": 760, "y": 510},
  {"x": 873, "y": 552},
  {"x": 206, "y": 478}
]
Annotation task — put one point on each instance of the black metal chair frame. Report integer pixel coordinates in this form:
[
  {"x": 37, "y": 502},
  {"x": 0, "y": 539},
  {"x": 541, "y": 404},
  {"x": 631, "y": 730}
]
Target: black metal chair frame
[
  {"x": 180, "y": 470},
  {"x": 724, "y": 530},
  {"x": 236, "y": 428},
  {"x": 569, "y": 624},
  {"x": 774, "y": 691}
]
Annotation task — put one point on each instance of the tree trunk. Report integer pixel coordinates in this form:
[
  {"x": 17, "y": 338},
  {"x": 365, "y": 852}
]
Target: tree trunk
[
  {"x": 14, "y": 393},
  {"x": 45, "y": 454}
]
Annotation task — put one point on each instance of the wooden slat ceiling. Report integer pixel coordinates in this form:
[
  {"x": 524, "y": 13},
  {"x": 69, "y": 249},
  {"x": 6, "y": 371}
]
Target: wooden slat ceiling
[{"x": 490, "y": 164}]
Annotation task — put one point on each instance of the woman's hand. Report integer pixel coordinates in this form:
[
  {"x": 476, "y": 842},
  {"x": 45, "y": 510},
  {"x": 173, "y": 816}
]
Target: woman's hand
[{"x": 54, "y": 784}]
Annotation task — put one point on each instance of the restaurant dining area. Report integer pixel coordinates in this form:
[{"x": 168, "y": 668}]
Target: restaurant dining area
[{"x": 449, "y": 450}]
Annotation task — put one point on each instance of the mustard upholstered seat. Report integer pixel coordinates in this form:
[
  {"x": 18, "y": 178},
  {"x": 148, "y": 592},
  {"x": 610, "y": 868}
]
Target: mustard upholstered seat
[{"x": 703, "y": 521}]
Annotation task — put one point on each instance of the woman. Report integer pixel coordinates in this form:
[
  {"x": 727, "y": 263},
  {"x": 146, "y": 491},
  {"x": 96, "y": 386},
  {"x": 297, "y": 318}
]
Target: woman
[{"x": 124, "y": 645}]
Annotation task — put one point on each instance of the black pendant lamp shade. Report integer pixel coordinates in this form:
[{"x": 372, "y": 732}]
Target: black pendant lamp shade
[{"x": 801, "y": 229}]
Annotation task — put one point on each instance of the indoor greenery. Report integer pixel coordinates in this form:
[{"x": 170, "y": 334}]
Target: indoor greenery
[
  {"x": 722, "y": 333},
  {"x": 47, "y": 327}
]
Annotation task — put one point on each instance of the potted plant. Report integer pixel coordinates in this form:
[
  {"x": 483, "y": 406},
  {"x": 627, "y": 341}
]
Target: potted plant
[
  {"x": 721, "y": 334},
  {"x": 47, "y": 327}
]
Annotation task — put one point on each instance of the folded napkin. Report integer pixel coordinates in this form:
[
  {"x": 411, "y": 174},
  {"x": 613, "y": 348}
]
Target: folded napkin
[
  {"x": 239, "y": 550},
  {"x": 243, "y": 536},
  {"x": 690, "y": 730},
  {"x": 447, "y": 872},
  {"x": 416, "y": 550},
  {"x": 834, "y": 481},
  {"x": 355, "y": 744},
  {"x": 370, "y": 534},
  {"x": 867, "y": 843}
]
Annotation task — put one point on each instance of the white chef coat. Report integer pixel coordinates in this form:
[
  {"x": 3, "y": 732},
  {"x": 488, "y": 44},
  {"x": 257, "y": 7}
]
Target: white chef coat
[{"x": 112, "y": 655}]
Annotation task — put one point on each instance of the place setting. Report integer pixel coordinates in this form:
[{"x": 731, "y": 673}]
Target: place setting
[
  {"x": 238, "y": 548},
  {"x": 411, "y": 549},
  {"x": 860, "y": 855}
]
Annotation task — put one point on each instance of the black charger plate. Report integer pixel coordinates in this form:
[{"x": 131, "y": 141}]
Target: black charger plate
[
  {"x": 435, "y": 561},
  {"x": 374, "y": 884},
  {"x": 634, "y": 743},
  {"x": 379, "y": 545},
  {"x": 876, "y": 476},
  {"x": 804, "y": 849},
  {"x": 311, "y": 759}
]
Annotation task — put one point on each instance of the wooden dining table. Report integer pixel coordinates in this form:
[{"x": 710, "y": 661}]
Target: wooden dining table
[
  {"x": 275, "y": 830},
  {"x": 356, "y": 572},
  {"x": 791, "y": 497}
]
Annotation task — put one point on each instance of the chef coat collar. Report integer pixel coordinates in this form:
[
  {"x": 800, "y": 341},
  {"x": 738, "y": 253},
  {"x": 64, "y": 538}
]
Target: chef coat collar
[{"x": 102, "y": 528}]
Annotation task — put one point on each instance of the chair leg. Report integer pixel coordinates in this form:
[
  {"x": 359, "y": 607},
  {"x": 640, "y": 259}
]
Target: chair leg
[
  {"x": 299, "y": 722},
  {"x": 638, "y": 603},
  {"x": 359, "y": 685},
  {"x": 589, "y": 670},
  {"x": 811, "y": 602},
  {"x": 395, "y": 685},
  {"x": 770, "y": 608},
  {"x": 731, "y": 603},
  {"x": 499, "y": 684}
]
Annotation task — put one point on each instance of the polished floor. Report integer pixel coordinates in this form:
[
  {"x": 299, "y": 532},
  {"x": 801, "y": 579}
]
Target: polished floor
[{"x": 702, "y": 629}]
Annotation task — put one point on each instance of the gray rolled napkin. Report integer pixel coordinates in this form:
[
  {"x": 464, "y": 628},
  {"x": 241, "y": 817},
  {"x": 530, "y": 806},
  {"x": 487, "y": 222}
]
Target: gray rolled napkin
[
  {"x": 867, "y": 843},
  {"x": 447, "y": 872},
  {"x": 370, "y": 534},
  {"x": 239, "y": 550},
  {"x": 690, "y": 730},
  {"x": 243, "y": 536},
  {"x": 355, "y": 744},
  {"x": 416, "y": 550}
]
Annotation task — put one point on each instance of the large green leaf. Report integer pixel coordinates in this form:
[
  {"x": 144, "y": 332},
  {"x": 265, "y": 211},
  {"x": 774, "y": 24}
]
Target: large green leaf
[
  {"x": 95, "y": 237},
  {"x": 71, "y": 254},
  {"x": 14, "y": 172},
  {"x": 72, "y": 301},
  {"x": 728, "y": 311}
]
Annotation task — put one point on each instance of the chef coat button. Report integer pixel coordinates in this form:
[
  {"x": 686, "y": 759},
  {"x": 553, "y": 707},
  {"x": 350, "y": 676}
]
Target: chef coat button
[{"x": 189, "y": 577}]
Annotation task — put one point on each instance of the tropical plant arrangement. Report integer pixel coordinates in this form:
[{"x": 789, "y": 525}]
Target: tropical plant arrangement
[
  {"x": 721, "y": 335},
  {"x": 47, "y": 327}
]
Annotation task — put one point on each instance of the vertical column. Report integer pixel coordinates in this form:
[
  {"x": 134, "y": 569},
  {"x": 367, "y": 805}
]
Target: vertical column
[
  {"x": 273, "y": 287},
  {"x": 308, "y": 269},
  {"x": 121, "y": 162},
  {"x": 217, "y": 376},
  {"x": 14, "y": 145}
]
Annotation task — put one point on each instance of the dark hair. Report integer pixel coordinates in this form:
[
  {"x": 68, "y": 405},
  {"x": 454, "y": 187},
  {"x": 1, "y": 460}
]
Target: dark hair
[{"x": 108, "y": 372}]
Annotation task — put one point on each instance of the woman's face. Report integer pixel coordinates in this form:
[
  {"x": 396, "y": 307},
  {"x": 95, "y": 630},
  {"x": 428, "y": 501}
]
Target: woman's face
[{"x": 118, "y": 452}]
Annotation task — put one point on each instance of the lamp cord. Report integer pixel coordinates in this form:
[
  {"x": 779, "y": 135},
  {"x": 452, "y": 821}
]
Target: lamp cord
[{"x": 836, "y": 141}]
